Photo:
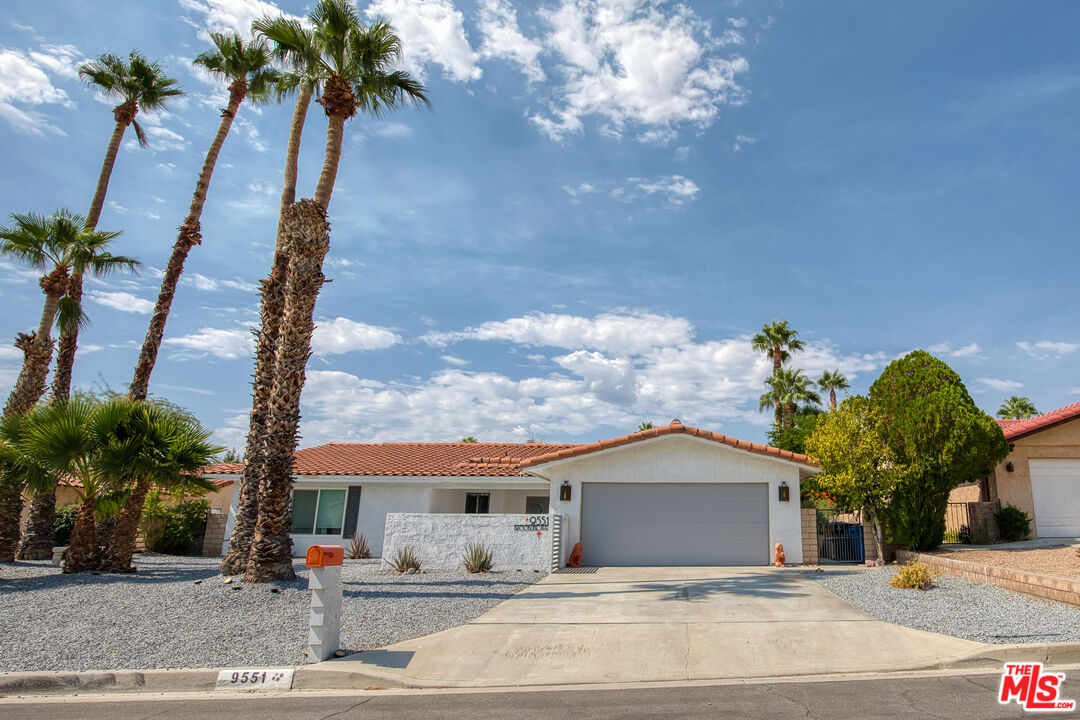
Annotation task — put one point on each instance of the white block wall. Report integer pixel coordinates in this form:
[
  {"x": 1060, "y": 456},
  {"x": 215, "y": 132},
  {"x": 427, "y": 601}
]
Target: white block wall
[{"x": 440, "y": 540}]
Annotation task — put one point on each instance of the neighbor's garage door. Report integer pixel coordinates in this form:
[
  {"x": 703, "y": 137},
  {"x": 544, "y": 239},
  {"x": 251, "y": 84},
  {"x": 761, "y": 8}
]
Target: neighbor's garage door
[
  {"x": 675, "y": 524},
  {"x": 1055, "y": 489}
]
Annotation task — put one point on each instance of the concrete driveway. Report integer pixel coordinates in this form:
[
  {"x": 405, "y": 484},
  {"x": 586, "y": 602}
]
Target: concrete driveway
[{"x": 652, "y": 624}]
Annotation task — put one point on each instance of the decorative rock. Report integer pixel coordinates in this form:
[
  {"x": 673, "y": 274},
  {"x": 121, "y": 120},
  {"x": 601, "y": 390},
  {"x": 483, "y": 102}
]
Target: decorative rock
[
  {"x": 411, "y": 571},
  {"x": 227, "y": 580},
  {"x": 339, "y": 653},
  {"x": 198, "y": 581},
  {"x": 275, "y": 590}
]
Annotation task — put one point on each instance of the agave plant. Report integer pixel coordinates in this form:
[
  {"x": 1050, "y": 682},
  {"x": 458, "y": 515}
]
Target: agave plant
[
  {"x": 359, "y": 549},
  {"x": 478, "y": 558},
  {"x": 406, "y": 559}
]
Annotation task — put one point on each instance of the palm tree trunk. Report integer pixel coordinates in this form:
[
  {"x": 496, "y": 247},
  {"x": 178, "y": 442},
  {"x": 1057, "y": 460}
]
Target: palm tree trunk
[
  {"x": 121, "y": 545},
  {"x": 307, "y": 237},
  {"x": 124, "y": 115},
  {"x": 339, "y": 101},
  {"x": 82, "y": 549},
  {"x": 789, "y": 415},
  {"x": 832, "y": 399},
  {"x": 777, "y": 363},
  {"x": 65, "y": 349},
  {"x": 189, "y": 237},
  {"x": 271, "y": 310},
  {"x": 37, "y": 538}
]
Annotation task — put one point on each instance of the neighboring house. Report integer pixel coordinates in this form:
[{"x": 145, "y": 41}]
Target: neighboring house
[
  {"x": 673, "y": 495},
  {"x": 1041, "y": 474}
]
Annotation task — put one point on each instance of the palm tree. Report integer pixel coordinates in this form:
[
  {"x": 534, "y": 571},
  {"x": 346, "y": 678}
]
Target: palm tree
[
  {"x": 246, "y": 66},
  {"x": 643, "y": 426},
  {"x": 360, "y": 77},
  {"x": 1017, "y": 408},
  {"x": 61, "y": 245},
  {"x": 140, "y": 85},
  {"x": 787, "y": 390},
  {"x": 777, "y": 341},
  {"x": 832, "y": 381},
  {"x": 160, "y": 448},
  {"x": 293, "y": 45}
]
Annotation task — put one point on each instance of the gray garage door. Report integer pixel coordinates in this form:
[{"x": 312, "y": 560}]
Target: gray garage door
[{"x": 675, "y": 524}]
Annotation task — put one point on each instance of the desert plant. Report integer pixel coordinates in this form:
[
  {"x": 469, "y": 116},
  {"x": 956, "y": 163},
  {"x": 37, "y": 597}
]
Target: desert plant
[
  {"x": 964, "y": 536},
  {"x": 1013, "y": 523},
  {"x": 478, "y": 558},
  {"x": 63, "y": 523},
  {"x": 406, "y": 559},
  {"x": 915, "y": 576},
  {"x": 359, "y": 549}
]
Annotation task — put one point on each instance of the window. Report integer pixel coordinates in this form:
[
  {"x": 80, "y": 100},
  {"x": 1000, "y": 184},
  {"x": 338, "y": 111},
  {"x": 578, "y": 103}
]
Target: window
[
  {"x": 477, "y": 502},
  {"x": 536, "y": 505},
  {"x": 318, "y": 512}
]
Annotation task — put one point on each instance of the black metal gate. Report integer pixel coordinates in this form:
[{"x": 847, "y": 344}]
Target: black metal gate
[{"x": 840, "y": 537}]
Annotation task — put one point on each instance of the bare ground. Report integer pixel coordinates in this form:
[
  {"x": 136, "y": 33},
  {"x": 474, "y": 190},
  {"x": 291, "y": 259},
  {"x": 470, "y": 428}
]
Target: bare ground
[{"x": 1059, "y": 562}]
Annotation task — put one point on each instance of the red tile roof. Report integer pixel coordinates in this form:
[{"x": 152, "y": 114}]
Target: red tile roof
[
  {"x": 674, "y": 428},
  {"x": 1018, "y": 428},
  {"x": 409, "y": 459}
]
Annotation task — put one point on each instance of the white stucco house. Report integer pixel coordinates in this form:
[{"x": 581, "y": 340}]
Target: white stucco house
[{"x": 672, "y": 495}]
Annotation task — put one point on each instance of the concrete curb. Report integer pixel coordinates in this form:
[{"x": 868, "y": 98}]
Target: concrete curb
[
  {"x": 1049, "y": 654},
  {"x": 160, "y": 681}
]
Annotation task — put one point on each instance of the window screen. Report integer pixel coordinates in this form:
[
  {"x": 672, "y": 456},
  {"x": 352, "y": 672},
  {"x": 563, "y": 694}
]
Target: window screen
[
  {"x": 303, "y": 511},
  {"x": 331, "y": 512}
]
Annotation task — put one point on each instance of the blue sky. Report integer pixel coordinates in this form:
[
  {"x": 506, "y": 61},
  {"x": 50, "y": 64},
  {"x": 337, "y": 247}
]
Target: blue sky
[{"x": 607, "y": 200}]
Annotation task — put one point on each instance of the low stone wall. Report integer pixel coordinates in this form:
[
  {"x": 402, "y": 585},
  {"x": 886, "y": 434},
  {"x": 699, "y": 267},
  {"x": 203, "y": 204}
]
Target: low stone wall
[
  {"x": 809, "y": 536},
  {"x": 518, "y": 542},
  {"x": 1043, "y": 586},
  {"x": 214, "y": 536}
]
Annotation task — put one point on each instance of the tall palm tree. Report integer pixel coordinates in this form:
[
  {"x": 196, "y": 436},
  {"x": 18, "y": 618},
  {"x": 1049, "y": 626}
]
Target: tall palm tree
[
  {"x": 777, "y": 341},
  {"x": 1017, "y": 408},
  {"x": 294, "y": 47},
  {"x": 832, "y": 381},
  {"x": 246, "y": 66},
  {"x": 60, "y": 245},
  {"x": 788, "y": 389},
  {"x": 158, "y": 447},
  {"x": 359, "y": 62},
  {"x": 138, "y": 84}
]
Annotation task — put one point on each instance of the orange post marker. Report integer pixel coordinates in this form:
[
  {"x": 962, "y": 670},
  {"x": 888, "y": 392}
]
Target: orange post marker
[{"x": 324, "y": 556}]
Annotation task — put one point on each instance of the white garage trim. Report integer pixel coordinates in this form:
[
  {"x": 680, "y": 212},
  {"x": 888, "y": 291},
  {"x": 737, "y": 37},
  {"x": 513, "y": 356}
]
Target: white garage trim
[{"x": 1055, "y": 494}]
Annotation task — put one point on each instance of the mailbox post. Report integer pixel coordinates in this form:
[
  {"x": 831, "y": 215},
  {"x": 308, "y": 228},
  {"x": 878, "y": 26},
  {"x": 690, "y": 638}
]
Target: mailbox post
[{"x": 324, "y": 581}]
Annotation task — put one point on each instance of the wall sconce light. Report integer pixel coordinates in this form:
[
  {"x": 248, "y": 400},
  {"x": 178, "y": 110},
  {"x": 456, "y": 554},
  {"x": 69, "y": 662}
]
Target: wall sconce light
[
  {"x": 564, "y": 491},
  {"x": 785, "y": 493},
  {"x": 1009, "y": 466}
]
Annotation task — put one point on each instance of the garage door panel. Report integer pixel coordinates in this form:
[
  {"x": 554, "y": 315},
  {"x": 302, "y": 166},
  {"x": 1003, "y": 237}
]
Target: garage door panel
[
  {"x": 1055, "y": 492},
  {"x": 675, "y": 524}
]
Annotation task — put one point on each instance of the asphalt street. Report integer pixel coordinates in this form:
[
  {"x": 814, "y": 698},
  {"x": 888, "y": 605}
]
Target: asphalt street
[{"x": 941, "y": 696}]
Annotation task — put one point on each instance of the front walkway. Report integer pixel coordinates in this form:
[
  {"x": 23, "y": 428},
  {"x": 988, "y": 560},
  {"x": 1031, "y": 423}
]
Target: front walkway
[{"x": 651, "y": 624}]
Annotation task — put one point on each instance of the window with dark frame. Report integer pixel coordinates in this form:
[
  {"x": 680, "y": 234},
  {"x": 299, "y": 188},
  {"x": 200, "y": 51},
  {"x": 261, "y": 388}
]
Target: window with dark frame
[
  {"x": 536, "y": 505},
  {"x": 477, "y": 502}
]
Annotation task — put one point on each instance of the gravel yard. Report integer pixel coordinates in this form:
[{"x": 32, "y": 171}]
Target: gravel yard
[
  {"x": 1059, "y": 562},
  {"x": 160, "y": 617},
  {"x": 956, "y": 607}
]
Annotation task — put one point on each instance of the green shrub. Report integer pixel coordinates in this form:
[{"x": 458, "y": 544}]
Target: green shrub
[
  {"x": 359, "y": 549},
  {"x": 175, "y": 529},
  {"x": 63, "y": 524},
  {"x": 1013, "y": 523},
  {"x": 405, "y": 559},
  {"x": 478, "y": 558},
  {"x": 915, "y": 576},
  {"x": 964, "y": 536}
]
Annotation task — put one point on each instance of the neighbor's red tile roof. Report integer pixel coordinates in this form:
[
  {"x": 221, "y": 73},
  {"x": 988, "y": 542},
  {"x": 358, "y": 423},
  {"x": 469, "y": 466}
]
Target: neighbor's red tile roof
[
  {"x": 1018, "y": 428},
  {"x": 409, "y": 459},
  {"x": 674, "y": 428}
]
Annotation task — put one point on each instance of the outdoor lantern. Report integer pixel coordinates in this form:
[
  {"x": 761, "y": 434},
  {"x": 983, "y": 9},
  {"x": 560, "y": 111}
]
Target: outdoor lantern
[
  {"x": 785, "y": 494},
  {"x": 564, "y": 491},
  {"x": 1009, "y": 466}
]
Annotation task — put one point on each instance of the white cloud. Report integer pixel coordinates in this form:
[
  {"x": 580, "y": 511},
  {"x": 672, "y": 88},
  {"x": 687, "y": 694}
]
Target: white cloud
[
  {"x": 582, "y": 189},
  {"x": 125, "y": 211},
  {"x": 258, "y": 200},
  {"x": 503, "y": 39},
  {"x": 947, "y": 349},
  {"x": 453, "y": 360},
  {"x": 1048, "y": 349},
  {"x": 986, "y": 383},
  {"x": 675, "y": 188},
  {"x": 610, "y": 379},
  {"x": 228, "y": 344},
  {"x": 658, "y": 136},
  {"x": 636, "y": 62},
  {"x": 229, "y": 15},
  {"x": 432, "y": 32},
  {"x": 25, "y": 82},
  {"x": 342, "y": 335},
  {"x": 209, "y": 284},
  {"x": 122, "y": 301},
  {"x": 626, "y": 333},
  {"x": 741, "y": 141}
]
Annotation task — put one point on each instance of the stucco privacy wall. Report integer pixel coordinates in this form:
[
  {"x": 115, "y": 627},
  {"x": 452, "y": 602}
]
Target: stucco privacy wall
[
  {"x": 1061, "y": 441},
  {"x": 679, "y": 459},
  {"x": 440, "y": 539}
]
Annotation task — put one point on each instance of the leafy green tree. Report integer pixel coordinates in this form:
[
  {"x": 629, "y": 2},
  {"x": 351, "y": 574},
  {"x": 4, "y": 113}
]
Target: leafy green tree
[
  {"x": 939, "y": 438},
  {"x": 777, "y": 341},
  {"x": 1017, "y": 408},
  {"x": 645, "y": 425},
  {"x": 831, "y": 381},
  {"x": 788, "y": 390},
  {"x": 857, "y": 466},
  {"x": 794, "y": 438},
  {"x": 468, "y": 439}
]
